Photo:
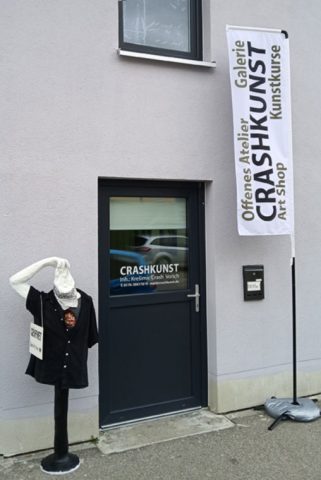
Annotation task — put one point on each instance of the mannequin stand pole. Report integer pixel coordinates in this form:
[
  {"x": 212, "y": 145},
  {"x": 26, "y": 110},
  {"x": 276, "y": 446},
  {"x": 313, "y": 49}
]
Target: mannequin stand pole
[{"x": 61, "y": 461}]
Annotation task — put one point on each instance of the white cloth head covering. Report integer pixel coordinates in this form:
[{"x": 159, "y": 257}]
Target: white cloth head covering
[{"x": 64, "y": 288}]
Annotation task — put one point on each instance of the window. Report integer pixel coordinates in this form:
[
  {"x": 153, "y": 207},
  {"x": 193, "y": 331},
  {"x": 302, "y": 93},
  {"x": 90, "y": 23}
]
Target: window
[{"x": 162, "y": 27}]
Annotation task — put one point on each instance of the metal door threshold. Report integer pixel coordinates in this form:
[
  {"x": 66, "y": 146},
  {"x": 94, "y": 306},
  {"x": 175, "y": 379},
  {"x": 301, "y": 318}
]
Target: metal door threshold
[{"x": 147, "y": 419}]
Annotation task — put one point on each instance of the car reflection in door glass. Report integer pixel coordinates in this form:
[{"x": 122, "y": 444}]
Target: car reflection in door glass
[{"x": 162, "y": 249}]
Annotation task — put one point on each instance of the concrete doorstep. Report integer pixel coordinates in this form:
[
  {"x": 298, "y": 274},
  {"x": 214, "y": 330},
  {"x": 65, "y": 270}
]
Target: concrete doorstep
[{"x": 158, "y": 430}]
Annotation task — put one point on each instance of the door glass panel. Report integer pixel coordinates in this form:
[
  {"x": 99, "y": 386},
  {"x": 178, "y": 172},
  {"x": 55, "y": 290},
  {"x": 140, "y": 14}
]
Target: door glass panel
[{"x": 148, "y": 245}]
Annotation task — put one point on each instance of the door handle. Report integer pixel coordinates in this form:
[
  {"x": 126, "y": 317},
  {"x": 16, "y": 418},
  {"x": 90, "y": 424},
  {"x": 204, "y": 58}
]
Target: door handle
[{"x": 196, "y": 295}]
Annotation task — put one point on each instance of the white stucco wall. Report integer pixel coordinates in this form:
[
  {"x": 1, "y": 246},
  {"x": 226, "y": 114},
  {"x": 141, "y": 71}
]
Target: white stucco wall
[{"x": 73, "y": 110}]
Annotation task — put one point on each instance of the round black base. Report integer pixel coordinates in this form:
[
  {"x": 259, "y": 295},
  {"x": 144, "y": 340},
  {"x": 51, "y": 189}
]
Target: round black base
[{"x": 56, "y": 464}]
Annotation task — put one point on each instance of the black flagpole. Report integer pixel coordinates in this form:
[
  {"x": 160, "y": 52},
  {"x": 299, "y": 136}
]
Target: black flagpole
[
  {"x": 302, "y": 409},
  {"x": 295, "y": 401}
]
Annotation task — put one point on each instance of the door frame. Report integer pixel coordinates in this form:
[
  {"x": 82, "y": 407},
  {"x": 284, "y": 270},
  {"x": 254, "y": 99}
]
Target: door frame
[{"x": 103, "y": 240}]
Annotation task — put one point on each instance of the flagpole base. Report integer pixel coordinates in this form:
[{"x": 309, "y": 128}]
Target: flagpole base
[{"x": 299, "y": 410}]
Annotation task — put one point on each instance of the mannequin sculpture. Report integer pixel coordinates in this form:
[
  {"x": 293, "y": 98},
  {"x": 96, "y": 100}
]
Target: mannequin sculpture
[{"x": 69, "y": 323}]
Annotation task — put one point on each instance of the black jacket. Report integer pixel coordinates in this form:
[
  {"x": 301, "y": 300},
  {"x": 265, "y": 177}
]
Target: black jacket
[{"x": 65, "y": 350}]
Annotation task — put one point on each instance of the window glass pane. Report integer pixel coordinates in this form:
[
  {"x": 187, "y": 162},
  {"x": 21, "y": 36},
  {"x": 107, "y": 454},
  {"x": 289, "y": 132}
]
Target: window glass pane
[
  {"x": 148, "y": 252},
  {"x": 158, "y": 23}
]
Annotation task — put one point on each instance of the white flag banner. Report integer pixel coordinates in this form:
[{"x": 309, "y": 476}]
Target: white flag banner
[{"x": 260, "y": 83}]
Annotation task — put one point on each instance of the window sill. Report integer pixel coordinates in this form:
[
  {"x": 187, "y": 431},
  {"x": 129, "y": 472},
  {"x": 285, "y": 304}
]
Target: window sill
[{"x": 160, "y": 58}]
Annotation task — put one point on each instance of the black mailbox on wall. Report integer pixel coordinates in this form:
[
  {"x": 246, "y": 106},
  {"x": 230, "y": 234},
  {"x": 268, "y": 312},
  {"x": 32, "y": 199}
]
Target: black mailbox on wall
[{"x": 253, "y": 282}]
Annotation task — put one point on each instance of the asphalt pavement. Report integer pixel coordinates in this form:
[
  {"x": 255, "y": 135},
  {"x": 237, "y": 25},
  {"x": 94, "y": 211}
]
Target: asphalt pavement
[{"x": 247, "y": 450}]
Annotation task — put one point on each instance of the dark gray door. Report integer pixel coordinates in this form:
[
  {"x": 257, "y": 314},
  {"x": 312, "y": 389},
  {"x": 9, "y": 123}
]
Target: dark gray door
[{"x": 152, "y": 322}]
